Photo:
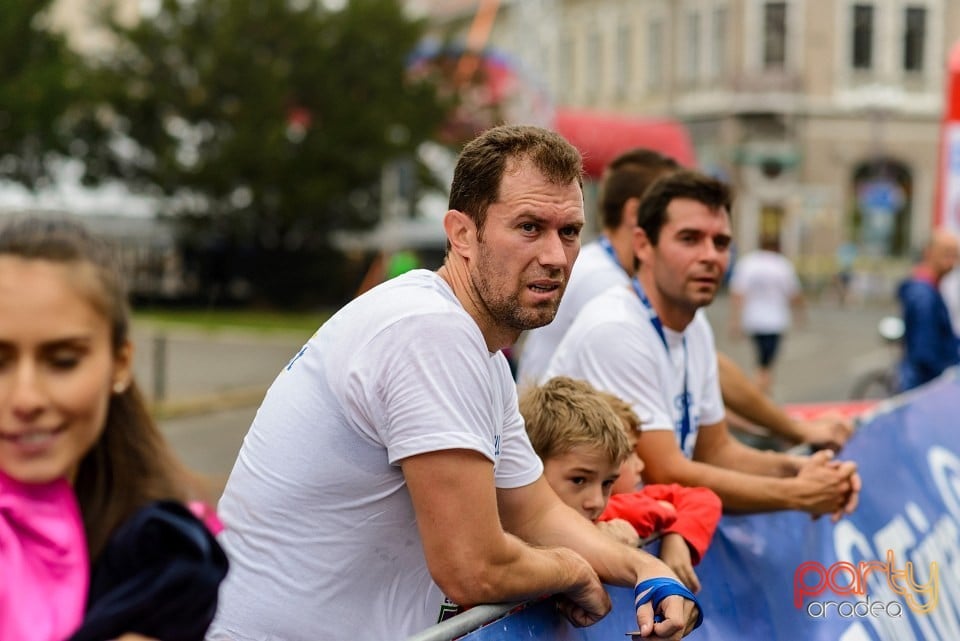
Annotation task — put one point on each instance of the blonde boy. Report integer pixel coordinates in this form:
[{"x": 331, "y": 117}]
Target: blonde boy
[
  {"x": 586, "y": 439},
  {"x": 580, "y": 440}
]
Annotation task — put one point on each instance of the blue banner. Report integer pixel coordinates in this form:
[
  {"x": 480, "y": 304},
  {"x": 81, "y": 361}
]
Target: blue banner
[{"x": 889, "y": 572}]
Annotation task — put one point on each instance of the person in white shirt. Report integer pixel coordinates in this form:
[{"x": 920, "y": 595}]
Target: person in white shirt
[
  {"x": 387, "y": 477},
  {"x": 765, "y": 288},
  {"x": 650, "y": 345}
]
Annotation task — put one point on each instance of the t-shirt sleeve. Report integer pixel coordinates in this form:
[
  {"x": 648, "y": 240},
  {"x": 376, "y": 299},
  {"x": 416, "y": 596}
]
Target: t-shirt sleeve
[
  {"x": 518, "y": 464},
  {"x": 423, "y": 384},
  {"x": 712, "y": 409}
]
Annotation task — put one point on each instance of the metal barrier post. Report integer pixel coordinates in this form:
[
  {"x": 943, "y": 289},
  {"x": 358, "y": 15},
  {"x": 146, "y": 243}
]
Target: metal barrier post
[{"x": 159, "y": 367}]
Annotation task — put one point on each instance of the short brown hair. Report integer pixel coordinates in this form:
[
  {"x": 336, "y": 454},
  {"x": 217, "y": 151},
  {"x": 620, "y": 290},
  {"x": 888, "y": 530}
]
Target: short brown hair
[
  {"x": 652, "y": 213},
  {"x": 628, "y": 176},
  {"x": 483, "y": 162},
  {"x": 564, "y": 413}
]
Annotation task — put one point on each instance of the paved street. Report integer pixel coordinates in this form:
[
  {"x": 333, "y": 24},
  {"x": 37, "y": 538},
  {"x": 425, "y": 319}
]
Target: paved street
[{"x": 818, "y": 363}]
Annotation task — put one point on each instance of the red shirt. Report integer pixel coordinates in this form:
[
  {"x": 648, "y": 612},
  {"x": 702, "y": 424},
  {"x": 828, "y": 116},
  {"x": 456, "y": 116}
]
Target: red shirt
[{"x": 695, "y": 517}]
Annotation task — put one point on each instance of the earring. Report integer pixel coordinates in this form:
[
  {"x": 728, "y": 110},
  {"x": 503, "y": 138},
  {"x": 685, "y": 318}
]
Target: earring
[{"x": 119, "y": 387}]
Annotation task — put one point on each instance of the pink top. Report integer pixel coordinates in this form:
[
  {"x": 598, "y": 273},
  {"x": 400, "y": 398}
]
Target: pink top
[{"x": 43, "y": 561}]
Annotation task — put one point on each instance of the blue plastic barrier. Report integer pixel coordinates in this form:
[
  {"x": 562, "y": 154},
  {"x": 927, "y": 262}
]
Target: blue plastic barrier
[{"x": 909, "y": 459}]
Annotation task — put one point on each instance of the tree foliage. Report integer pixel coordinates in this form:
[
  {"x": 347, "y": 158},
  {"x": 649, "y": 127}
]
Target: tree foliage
[
  {"x": 38, "y": 86},
  {"x": 264, "y": 123}
]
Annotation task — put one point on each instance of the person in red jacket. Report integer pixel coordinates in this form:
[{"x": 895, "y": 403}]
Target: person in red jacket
[{"x": 583, "y": 436}]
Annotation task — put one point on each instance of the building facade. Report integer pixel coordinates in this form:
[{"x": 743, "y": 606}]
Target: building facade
[{"x": 824, "y": 114}]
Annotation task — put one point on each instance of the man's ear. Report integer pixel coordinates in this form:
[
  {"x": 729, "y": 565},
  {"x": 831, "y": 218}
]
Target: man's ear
[
  {"x": 628, "y": 213},
  {"x": 642, "y": 247},
  {"x": 461, "y": 232}
]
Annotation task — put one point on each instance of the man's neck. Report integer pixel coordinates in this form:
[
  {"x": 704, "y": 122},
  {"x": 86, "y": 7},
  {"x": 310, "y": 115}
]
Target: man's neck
[
  {"x": 927, "y": 274},
  {"x": 621, "y": 239},
  {"x": 454, "y": 272},
  {"x": 672, "y": 316}
]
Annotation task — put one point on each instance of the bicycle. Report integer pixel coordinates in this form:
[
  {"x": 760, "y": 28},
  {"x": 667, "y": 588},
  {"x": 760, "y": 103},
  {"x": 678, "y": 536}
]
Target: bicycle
[{"x": 884, "y": 381}]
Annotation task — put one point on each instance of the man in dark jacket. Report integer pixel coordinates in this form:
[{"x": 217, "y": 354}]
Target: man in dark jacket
[{"x": 930, "y": 346}]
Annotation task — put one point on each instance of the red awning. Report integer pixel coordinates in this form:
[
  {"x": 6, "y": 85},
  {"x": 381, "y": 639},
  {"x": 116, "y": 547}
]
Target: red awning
[{"x": 601, "y": 137}]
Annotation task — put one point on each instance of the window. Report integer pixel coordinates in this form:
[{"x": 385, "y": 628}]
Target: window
[
  {"x": 718, "y": 60},
  {"x": 693, "y": 46},
  {"x": 914, "y": 37},
  {"x": 774, "y": 35},
  {"x": 654, "y": 54},
  {"x": 862, "y": 36}
]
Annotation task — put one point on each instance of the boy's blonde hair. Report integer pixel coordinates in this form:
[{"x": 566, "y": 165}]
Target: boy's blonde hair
[
  {"x": 628, "y": 418},
  {"x": 564, "y": 413}
]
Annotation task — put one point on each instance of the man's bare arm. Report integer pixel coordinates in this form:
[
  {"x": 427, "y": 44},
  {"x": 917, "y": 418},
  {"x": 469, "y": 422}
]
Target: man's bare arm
[
  {"x": 820, "y": 490},
  {"x": 744, "y": 398},
  {"x": 469, "y": 555}
]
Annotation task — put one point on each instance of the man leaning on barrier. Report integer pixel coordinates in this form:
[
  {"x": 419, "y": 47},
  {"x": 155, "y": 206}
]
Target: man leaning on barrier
[{"x": 387, "y": 471}]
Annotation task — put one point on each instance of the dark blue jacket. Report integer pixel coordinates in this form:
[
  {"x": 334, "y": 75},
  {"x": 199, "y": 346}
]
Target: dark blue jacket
[
  {"x": 158, "y": 576},
  {"x": 929, "y": 343}
]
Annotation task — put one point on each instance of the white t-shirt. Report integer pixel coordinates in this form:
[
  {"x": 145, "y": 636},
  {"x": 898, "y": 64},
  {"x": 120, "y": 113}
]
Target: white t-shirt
[
  {"x": 593, "y": 272},
  {"x": 613, "y": 346},
  {"x": 320, "y": 529},
  {"x": 768, "y": 282}
]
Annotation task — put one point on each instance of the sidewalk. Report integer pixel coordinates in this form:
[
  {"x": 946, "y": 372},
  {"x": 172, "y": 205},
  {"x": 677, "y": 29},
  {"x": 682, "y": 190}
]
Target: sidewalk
[
  {"x": 185, "y": 371},
  {"x": 817, "y": 362}
]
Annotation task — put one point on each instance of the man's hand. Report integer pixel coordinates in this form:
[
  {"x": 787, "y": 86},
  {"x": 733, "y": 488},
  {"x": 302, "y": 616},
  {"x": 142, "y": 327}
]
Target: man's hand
[
  {"x": 677, "y": 615},
  {"x": 831, "y": 430},
  {"x": 853, "y": 498},
  {"x": 675, "y": 552},
  {"x": 825, "y": 486},
  {"x": 586, "y": 602},
  {"x": 620, "y": 530},
  {"x": 679, "y": 618}
]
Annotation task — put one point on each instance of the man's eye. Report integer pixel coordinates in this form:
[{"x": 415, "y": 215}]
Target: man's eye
[
  {"x": 578, "y": 480},
  {"x": 721, "y": 243},
  {"x": 528, "y": 227},
  {"x": 570, "y": 232}
]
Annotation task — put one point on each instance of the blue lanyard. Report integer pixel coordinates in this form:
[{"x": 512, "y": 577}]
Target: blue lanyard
[
  {"x": 658, "y": 326},
  {"x": 608, "y": 247}
]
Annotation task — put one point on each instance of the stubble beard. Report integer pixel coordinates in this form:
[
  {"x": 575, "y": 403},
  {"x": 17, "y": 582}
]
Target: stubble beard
[
  {"x": 688, "y": 301},
  {"x": 506, "y": 309}
]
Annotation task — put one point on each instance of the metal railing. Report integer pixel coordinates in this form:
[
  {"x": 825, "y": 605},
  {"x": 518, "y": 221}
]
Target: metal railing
[{"x": 481, "y": 615}]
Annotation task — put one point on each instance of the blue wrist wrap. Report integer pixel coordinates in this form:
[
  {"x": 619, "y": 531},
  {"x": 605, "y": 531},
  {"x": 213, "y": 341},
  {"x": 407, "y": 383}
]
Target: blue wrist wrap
[{"x": 658, "y": 589}]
